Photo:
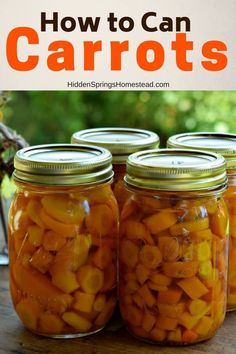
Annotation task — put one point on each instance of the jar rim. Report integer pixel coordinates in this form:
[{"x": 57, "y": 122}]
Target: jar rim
[
  {"x": 121, "y": 142},
  {"x": 221, "y": 143},
  {"x": 63, "y": 164},
  {"x": 176, "y": 170}
]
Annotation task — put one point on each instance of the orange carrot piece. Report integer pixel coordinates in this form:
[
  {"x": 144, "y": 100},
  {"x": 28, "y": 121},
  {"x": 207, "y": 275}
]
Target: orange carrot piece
[
  {"x": 65, "y": 281},
  {"x": 50, "y": 323},
  {"x": 84, "y": 302},
  {"x": 129, "y": 253},
  {"x": 180, "y": 269},
  {"x": 150, "y": 256},
  {"x": 189, "y": 336},
  {"x": 170, "y": 296},
  {"x": 137, "y": 231},
  {"x": 90, "y": 278},
  {"x": 29, "y": 311},
  {"x": 106, "y": 314},
  {"x": 63, "y": 230},
  {"x": 149, "y": 321},
  {"x": 41, "y": 260},
  {"x": 189, "y": 226},
  {"x": 100, "y": 220},
  {"x": 102, "y": 257},
  {"x": 147, "y": 295},
  {"x": 142, "y": 273},
  {"x": 170, "y": 248},
  {"x": 63, "y": 209},
  {"x": 110, "y": 278},
  {"x": 160, "y": 221},
  {"x": 160, "y": 279},
  {"x": 193, "y": 287},
  {"x": 134, "y": 315},
  {"x": 158, "y": 334},
  {"x": 166, "y": 323},
  {"x": 51, "y": 241}
]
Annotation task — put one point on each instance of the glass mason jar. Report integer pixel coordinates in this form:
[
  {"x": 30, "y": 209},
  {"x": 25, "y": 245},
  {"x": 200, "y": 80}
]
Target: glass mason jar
[
  {"x": 224, "y": 144},
  {"x": 63, "y": 240},
  {"x": 173, "y": 252},
  {"x": 121, "y": 142}
]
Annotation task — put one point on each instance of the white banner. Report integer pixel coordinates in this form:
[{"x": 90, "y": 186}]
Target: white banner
[{"x": 118, "y": 45}]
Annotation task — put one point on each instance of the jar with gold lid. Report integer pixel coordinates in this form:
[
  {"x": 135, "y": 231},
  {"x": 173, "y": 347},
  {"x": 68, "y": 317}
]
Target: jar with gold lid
[
  {"x": 63, "y": 225},
  {"x": 121, "y": 142},
  {"x": 173, "y": 252},
  {"x": 224, "y": 144}
]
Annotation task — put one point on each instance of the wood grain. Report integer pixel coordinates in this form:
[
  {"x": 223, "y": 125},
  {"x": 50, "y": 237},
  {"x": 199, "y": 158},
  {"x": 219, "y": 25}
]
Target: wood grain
[{"x": 17, "y": 340}]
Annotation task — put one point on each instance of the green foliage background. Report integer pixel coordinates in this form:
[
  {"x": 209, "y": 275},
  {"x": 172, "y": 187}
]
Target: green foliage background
[{"x": 48, "y": 117}]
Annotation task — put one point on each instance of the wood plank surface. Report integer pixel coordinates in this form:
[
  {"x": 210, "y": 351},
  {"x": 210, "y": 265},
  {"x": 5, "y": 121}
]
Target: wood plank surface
[{"x": 15, "y": 339}]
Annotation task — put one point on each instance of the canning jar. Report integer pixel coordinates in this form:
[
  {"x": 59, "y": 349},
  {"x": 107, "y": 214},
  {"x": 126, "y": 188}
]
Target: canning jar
[
  {"x": 224, "y": 144},
  {"x": 173, "y": 252},
  {"x": 63, "y": 240},
  {"x": 121, "y": 142}
]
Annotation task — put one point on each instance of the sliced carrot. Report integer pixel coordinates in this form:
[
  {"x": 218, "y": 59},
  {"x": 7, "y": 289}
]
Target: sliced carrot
[
  {"x": 29, "y": 311},
  {"x": 172, "y": 311},
  {"x": 219, "y": 221},
  {"x": 35, "y": 235},
  {"x": 106, "y": 313},
  {"x": 156, "y": 287},
  {"x": 84, "y": 302},
  {"x": 138, "y": 300},
  {"x": 175, "y": 335},
  {"x": 150, "y": 256},
  {"x": 160, "y": 221},
  {"x": 37, "y": 285},
  {"x": 166, "y": 323},
  {"x": 147, "y": 295},
  {"x": 189, "y": 336},
  {"x": 128, "y": 209},
  {"x": 148, "y": 321},
  {"x": 170, "y": 296},
  {"x": 110, "y": 278},
  {"x": 142, "y": 273},
  {"x": 63, "y": 209},
  {"x": 134, "y": 315},
  {"x": 33, "y": 210},
  {"x": 63, "y": 230},
  {"x": 50, "y": 323},
  {"x": 193, "y": 287},
  {"x": 197, "y": 306},
  {"x": 131, "y": 286},
  {"x": 184, "y": 228},
  {"x": 204, "y": 326},
  {"x": 170, "y": 248},
  {"x": 76, "y": 321},
  {"x": 23, "y": 246},
  {"x": 129, "y": 253},
  {"x": 158, "y": 334},
  {"x": 102, "y": 257},
  {"x": 65, "y": 281},
  {"x": 188, "y": 321},
  {"x": 137, "y": 231},
  {"x": 99, "y": 303},
  {"x": 180, "y": 269},
  {"x": 41, "y": 260},
  {"x": 160, "y": 279},
  {"x": 51, "y": 241},
  {"x": 138, "y": 331},
  {"x": 201, "y": 235},
  {"x": 90, "y": 278},
  {"x": 100, "y": 220}
]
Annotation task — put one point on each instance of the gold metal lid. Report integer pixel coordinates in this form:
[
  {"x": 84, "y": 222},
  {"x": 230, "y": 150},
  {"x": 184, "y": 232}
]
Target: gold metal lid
[
  {"x": 121, "y": 142},
  {"x": 63, "y": 164},
  {"x": 176, "y": 170},
  {"x": 221, "y": 143}
]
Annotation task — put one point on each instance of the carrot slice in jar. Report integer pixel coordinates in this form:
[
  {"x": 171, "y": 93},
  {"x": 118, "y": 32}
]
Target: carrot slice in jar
[
  {"x": 150, "y": 256},
  {"x": 90, "y": 278}
]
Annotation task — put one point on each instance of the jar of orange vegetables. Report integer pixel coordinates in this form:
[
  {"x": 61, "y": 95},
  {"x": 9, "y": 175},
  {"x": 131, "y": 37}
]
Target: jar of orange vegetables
[
  {"x": 63, "y": 240},
  {"x": 224, "y": 144},
  {"x": 121, "y": 142},
  {"x": 173, "y": 252}
]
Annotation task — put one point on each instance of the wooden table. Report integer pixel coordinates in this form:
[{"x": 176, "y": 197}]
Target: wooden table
[{"x": 15, "y": 339}]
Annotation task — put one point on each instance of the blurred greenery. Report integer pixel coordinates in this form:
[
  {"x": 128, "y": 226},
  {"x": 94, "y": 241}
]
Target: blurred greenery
[{"x": 50, "y": 117}]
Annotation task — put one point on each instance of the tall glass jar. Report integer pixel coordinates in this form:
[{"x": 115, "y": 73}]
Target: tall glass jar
[
  {"x": 121, "y": 142},
  {"x": 63, "y": 240},
  {"x": 173, "y": 252},
  {"x": 224, "y": 144}
]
